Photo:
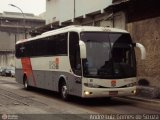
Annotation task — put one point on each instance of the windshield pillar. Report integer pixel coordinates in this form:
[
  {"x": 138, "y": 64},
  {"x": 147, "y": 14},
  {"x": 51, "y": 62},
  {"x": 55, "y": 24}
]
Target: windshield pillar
[{"x": 74, "y": 53}]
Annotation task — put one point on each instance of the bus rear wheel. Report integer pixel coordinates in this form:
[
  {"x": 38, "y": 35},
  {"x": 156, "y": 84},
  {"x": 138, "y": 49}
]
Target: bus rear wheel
[
  {"x": 64, "y": 91},
  {"x": 25, "y": 82}
]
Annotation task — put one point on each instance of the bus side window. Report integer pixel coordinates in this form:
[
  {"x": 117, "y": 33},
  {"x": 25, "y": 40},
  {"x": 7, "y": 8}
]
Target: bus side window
[{"x": 74, "y": 53}]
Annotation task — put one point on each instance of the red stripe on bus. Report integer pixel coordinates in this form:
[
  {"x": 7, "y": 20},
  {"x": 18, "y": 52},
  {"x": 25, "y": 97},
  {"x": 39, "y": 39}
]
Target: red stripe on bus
[{"x": 27, "y": 69}]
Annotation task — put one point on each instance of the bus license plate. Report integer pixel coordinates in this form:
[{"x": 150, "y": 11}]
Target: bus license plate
[{"x": 113, "y": 93}]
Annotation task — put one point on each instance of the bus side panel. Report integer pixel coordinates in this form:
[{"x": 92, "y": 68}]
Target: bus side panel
[
  {"x": 44, "y": 79},
  {"x": 19, "y": 77},
  {"x": 50, "y": 79},
  {"x": 74, "y": 84},
  {"x": 39, "y": 78},
  {"x": 19, "y": 71}
]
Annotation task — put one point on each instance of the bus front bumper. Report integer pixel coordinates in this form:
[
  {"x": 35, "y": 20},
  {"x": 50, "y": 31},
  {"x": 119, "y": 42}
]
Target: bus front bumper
[{"x": 109, "y": 92}]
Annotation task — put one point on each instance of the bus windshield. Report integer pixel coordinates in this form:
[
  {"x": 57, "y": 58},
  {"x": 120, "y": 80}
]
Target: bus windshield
[{"x": 109, "y": 55}]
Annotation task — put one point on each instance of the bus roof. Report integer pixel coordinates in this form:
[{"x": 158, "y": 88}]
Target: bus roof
[{"x": 74, "y": 28}]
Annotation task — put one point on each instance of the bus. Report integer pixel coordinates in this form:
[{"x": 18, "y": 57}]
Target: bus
[{"x": 84, "y": 61}]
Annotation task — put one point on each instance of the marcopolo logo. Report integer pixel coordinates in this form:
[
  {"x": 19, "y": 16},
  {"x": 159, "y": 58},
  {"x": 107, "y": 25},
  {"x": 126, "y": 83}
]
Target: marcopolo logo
[
  {"x": 54, "y": 64},
  {"x": 113, "y": 83}
]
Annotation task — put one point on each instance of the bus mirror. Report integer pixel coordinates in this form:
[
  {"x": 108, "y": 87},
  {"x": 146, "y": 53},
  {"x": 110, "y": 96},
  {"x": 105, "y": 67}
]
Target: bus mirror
[
  {"x": 82, "y": 49},
  {"x": 143, "y": 50}
]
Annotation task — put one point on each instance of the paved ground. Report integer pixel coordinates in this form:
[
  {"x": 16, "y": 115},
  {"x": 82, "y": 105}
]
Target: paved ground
[{"x": 19, "y": 103}]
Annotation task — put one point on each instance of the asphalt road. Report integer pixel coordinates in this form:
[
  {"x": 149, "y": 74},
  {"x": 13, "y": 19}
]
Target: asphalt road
[{"x": 18, "y": 103}]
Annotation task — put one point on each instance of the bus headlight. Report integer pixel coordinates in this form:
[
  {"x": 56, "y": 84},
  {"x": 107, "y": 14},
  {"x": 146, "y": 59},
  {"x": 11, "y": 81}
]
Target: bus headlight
[
  {"x": 131, "y": 84},
  {"x": 134, "y": 92},
  {"x": 91, "y": 85},
  {"x": 86, "y": 93}
]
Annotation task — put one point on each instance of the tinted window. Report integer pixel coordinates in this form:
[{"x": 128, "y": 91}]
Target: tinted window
[{"x": 52, "y": 45}]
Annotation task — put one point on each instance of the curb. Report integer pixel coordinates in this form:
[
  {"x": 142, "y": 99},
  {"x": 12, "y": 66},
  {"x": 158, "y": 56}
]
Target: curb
[
  {"x": 154, "y": 101},
  {"x": 148, "y": 92}
]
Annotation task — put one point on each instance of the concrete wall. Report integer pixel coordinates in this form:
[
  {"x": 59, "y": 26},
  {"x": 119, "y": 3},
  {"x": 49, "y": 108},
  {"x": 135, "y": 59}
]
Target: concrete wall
[
  {"x": 7, "y": 41},
  {"x": 119, "y": 20},
  {"x": 52, "y": 11},
  {"x": 88, "y": 6},
  {"x": 12, "y": 30},
  {"x": 7, "y": 59},
  {"x": 7, "y": 47},
  {"x": 66, "y": 8},
  {"x": 63, "y": 10},
  {"x": 147, "y": 32}
]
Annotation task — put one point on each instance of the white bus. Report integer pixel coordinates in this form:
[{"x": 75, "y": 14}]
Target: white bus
[{"x": 82, "y": 61}]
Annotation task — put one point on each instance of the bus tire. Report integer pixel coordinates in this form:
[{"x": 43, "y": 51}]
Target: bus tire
[
  {"x": 64, "y": 91},
  {"x": 25, "y": 83}
]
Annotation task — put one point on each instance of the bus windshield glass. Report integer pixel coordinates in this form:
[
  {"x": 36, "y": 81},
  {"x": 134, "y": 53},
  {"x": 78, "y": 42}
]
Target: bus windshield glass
[{"x": 109, "y": 55}]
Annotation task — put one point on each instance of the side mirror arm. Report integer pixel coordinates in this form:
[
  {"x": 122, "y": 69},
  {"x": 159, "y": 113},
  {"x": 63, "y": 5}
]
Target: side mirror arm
[
  {"x": 82, "y": 49},
  {"x": 142, "y": 49}
]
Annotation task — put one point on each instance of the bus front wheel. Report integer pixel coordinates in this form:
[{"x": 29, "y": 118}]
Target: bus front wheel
[{"x": 64, "y": 91}]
